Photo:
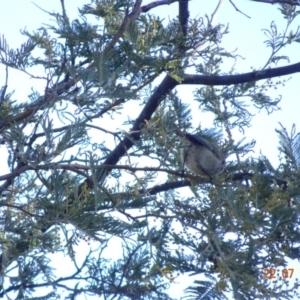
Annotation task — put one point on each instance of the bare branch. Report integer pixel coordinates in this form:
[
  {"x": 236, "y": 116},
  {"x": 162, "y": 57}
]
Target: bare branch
[
  {"x": 146, "y": 8},
  {"x": 15, "y": 173},
  {"x": 238, "y": 9},
  {"x": 213, "y": 15},
  {"x": 183, "y": 15},
  {"x": 241, "y": 78},
  {"x": 291, "y": 2}
]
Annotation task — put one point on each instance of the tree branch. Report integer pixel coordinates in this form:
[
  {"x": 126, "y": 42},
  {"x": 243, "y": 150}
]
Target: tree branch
[
  {"x": 127, "y": 20},
  {"x": 184, "y": 15},
  {"x": 16, "y": 172},
  {"x": 291, "y": 2},
  {"x": 19, "y": 208},
  {"x": 238, "y": 9},
  {"x": 146, "y": 8},
  {"x": 163, "y": 89},
  {"x": 240, "y": 78}
]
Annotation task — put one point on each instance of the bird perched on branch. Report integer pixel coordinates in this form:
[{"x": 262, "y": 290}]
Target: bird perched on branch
[{"x": 199, "y": 155}]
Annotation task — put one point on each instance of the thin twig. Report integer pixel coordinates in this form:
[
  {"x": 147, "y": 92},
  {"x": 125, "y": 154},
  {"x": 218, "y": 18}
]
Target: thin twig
[
  {"x": 238, "y": 9},
  {"x": 19, "y": 208},
  {"x": 291, "y": 2},
  {"x": 213, "y": 15}
]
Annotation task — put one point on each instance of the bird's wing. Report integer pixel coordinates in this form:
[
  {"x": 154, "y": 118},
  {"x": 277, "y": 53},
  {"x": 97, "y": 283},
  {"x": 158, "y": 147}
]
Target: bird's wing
[{"x": 198, "y": 140}]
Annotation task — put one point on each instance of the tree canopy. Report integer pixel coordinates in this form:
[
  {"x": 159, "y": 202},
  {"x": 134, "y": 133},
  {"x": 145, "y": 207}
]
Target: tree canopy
[{"x": 94, "y": 159}]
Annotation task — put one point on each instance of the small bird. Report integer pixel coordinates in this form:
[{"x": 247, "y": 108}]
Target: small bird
[{"x": 199, "y": 155}]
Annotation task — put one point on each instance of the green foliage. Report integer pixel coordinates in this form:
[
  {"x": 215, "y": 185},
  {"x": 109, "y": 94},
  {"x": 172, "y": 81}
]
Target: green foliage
[
  {"x": 93, "y": 161},
  {"x": 203, "y": 290}
]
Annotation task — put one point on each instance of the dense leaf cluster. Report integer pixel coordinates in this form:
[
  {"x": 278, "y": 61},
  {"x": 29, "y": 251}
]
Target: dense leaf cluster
[{"x": 93, "y": 159}]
